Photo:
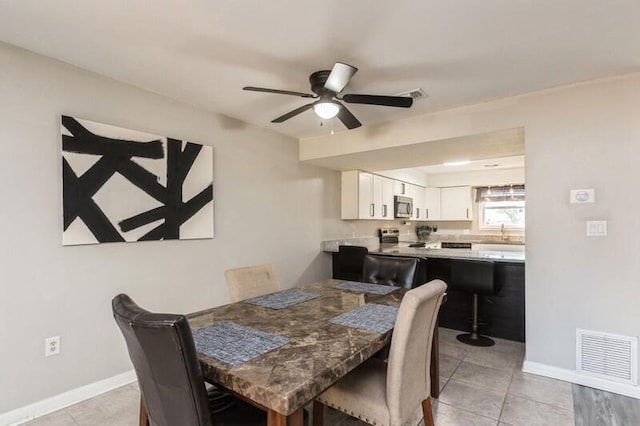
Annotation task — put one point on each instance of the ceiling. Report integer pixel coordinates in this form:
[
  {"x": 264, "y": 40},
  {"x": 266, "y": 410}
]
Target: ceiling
[
  {"x": 475, "y": 165},
  {"x": 459, "y": 51},
  {"x": 482, "y": 148}
]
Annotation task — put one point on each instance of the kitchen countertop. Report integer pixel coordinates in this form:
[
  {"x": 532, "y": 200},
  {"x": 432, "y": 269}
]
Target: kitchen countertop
[
  {"x": 374, "y": 247},
  {"x": 497, "y": 256}
]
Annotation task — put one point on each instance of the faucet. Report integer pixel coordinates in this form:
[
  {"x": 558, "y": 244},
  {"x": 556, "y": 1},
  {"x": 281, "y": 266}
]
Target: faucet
[{"x": 504, "y": 237}]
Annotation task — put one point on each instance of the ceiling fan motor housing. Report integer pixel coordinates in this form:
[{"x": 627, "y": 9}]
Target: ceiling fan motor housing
[{"x": 318, "y": 80}]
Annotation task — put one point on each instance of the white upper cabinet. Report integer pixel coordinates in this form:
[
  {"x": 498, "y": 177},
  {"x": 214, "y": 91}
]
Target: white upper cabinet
[
  {"x": 433, "y": 203},
  {"x": 366, "y": 206},
  {"x": 366, "y": 196},
  {"x": 457, "y": 203},
  {"x": 382, "y": 197},
  {"x": 401, "y": 188},
  {"x": 419, "y": 203}
]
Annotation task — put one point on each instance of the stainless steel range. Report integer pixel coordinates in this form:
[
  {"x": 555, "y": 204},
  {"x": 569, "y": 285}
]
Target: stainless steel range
[{"x": 389, "y": 236}]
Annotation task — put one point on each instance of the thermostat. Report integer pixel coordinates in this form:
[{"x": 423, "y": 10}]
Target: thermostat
[{"x": 582, "y": 196}]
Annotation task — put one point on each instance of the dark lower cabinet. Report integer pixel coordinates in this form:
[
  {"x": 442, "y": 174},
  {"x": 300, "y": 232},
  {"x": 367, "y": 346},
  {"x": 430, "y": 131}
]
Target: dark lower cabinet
[{"x": 500, "y": 316}]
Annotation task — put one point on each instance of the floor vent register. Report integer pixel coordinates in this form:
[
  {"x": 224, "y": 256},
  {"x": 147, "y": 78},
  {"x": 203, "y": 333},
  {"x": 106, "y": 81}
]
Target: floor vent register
[{"x": 607, "y": 356}]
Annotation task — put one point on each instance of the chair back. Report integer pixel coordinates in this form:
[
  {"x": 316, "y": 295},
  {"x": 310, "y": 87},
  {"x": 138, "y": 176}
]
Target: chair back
[
  {"x": 163, "y": 354},
  {"x": 390, "y": 270},
  {"x": 348, "y": 263},
  {"x": 251, "y": 281},
  {"x": 408, "y": 370},
  {"x": 473, "y": 276}
]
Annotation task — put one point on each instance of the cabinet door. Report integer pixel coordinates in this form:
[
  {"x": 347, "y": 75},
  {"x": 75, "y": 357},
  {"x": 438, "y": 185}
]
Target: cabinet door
[
  {"x": 456, "y": 203},
  {"x": 400, "y": 188},
  {"x": 366, "y": 206},
  {"x": 377, "y": 197},
  {"x": 387, "y": 198},
  {"x": 432, "y": 211},
  {"x": 419, "y": 203}
]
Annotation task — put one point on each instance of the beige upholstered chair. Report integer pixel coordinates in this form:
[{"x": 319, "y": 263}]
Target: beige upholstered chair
[
  {"x": 251, "y": 281},
  {"x": 396, "y": 394}
]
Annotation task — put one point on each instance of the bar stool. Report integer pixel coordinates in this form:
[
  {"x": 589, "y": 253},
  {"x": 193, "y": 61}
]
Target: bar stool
[{"x": 475, "y": 277}]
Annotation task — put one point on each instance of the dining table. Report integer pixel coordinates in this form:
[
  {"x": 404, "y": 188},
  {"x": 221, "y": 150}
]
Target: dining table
[{"x": 280, "y": 351}]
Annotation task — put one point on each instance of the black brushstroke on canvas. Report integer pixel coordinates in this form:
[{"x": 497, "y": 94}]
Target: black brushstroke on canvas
[{"x": 116, "y": 157}]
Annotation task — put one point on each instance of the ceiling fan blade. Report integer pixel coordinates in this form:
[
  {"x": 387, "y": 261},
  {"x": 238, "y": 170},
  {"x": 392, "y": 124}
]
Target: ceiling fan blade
[
  {"x": 349, "y": 120},
  {"x": 340, "y": 76},
  {"x": 293, "y": 113},
  {"x": 392, "y": 101},
  {"x": 280, "y": 92}
]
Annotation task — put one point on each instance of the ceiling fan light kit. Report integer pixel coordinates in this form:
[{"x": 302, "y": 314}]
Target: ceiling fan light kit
[
  {"x": 327, "y": 85},
  {"x": 326, "y": 109}
]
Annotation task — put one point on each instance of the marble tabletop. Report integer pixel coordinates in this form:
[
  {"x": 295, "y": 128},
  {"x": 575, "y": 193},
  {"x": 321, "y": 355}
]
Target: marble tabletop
[{"x": 318, "y": 354}]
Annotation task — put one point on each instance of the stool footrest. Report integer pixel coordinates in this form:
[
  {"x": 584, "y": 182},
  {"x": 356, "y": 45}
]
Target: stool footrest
[{"x": 474, "y": 339}]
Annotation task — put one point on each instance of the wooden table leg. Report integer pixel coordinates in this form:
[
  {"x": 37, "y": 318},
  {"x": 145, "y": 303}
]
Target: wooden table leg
[
  {"x": 297, "y": 418},
  {"x": 144, "y": 418},
  {"x": 276, "y": 419},
  {"x": 435, "y": 364},
  {"x": 318, "y": 413}
]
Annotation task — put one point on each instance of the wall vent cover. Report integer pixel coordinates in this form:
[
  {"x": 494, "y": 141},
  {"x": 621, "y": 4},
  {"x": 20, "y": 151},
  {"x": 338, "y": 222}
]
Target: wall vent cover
[
  {"x": 416, "y": 94},
  {"x": 607, "y": 356}
]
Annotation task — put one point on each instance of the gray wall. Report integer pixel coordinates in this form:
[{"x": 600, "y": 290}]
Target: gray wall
[
  {"x": 268, "y": 208},
  {"x": 580, "y": 136}
]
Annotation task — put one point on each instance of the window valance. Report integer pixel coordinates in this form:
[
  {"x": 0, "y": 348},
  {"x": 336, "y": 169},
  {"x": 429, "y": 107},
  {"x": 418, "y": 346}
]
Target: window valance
[{"x": 500, "y": 193}]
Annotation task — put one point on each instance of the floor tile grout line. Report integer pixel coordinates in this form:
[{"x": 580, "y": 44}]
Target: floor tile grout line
[
  {"x": 543, "y": 403},
  {"x": 504, "y": 401},
  {"x": 469, "y": 411}
]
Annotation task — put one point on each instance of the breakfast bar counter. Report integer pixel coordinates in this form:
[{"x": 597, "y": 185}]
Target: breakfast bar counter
[
  {"x": 503, "y": 312},
  {"x": 494, "y": 255}
]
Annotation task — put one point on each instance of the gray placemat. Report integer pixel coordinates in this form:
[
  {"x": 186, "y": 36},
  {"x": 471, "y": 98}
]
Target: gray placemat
[
  {"x": 235, "y": 344},
  {"x": 366, "y": 287},
  {"x": 369, "y": 317},
  {"x": 282, "y": 299}
]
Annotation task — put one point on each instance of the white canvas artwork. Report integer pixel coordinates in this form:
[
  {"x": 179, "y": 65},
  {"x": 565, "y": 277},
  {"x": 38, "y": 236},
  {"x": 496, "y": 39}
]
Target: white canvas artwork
[{"x": 121, "y": 185}]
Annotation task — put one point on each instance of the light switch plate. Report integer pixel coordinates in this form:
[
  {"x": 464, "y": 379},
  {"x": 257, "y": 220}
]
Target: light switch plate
[
  {"x": 582, "y": 196},
  {"x": 596, "y": 228}
]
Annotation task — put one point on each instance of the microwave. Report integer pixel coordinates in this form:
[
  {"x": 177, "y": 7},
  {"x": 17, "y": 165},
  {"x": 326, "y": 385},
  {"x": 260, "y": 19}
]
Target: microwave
[{"x": 403, "y": 206}]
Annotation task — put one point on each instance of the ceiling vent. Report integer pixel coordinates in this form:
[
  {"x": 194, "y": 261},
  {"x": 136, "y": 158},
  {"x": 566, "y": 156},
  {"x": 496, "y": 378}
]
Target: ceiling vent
[
  {"x": 416, "y": 94},
  {"x": 607, "y": 356}
]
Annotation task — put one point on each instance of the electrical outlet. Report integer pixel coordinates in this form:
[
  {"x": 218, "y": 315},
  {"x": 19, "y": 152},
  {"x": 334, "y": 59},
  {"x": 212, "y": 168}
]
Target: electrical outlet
[{"x": 52, "y": 346}]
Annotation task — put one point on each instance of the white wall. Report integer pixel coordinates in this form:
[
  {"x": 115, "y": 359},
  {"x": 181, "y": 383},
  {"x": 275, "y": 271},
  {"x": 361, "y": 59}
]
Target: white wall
[
  {"x": 580, "y": 136},
  {"x": 268, "y": 208}
]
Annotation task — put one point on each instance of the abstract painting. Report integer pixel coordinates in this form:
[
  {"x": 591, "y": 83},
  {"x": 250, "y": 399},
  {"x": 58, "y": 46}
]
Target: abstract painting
[{"x": 122, "y": 185}]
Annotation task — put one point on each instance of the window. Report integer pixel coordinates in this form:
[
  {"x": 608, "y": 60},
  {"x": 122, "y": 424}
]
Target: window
[{"x": 501, "y": 206}]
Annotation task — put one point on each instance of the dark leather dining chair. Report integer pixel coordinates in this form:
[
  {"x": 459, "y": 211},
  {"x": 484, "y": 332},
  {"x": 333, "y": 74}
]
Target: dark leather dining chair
[
  {"x": 171, "y": 382},
  {"x": 348, "y": 262},
  {"x": 390, "y": 270}
]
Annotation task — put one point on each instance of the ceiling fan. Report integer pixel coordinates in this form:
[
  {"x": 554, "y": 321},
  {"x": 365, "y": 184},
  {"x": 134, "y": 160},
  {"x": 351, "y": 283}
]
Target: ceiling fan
[{"x": 327, "y": 85}]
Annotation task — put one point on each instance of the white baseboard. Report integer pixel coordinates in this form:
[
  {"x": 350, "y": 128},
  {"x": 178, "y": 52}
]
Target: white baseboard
[
  {"x": 49, "y": 405},
  {"x": 580, "y": 379}
]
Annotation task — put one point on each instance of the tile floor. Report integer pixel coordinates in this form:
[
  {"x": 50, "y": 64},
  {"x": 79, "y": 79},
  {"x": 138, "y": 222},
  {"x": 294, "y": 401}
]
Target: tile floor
[{"x": 480, "y": 386}]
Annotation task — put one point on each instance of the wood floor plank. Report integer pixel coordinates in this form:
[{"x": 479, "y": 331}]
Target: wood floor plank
[{"x": 593, "y": 407}]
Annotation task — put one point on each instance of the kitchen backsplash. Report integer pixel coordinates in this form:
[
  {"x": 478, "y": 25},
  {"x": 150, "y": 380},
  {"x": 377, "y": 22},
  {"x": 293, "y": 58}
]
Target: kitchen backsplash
[{"x": 447, "y": 231}]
